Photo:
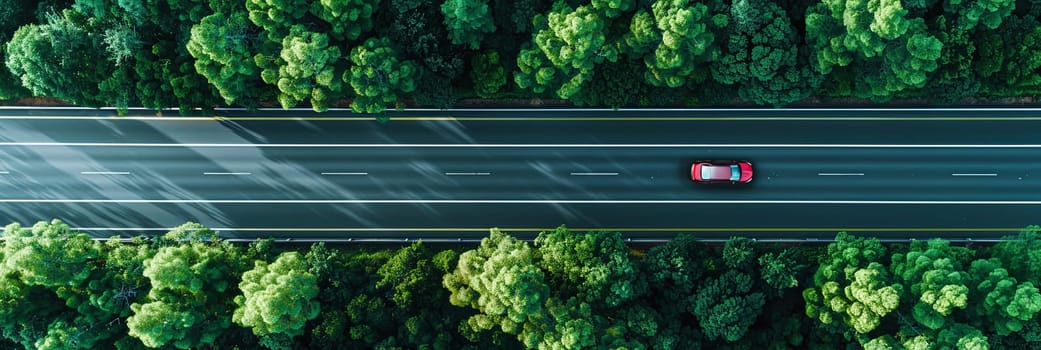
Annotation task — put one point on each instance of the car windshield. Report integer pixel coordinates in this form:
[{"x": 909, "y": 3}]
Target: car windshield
[{"x": 735, "y": 172}]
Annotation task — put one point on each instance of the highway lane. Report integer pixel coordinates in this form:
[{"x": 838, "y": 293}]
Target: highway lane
[
  {"x": 363, "y": 191},
  {"x": 667, "y": 127},
  {"x": 468, "y": 222},
  {"x": 516, "y": 173}
]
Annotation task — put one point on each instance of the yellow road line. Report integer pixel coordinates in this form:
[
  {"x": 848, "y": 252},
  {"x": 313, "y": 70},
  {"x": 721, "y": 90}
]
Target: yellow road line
[
  {"x": 548, "y": 119},
  {"x": 558, "y": 119},
  {"x": 624, "y": 229}
]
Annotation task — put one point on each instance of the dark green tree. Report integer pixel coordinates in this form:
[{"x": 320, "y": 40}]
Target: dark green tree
[
  {"x": 1003, "y": 304},
  {"x": 726, "y": 305},
  {"x": 487, "y": 74},
  {"x": 1020, "y": 255},
  {"x": 468, "y": 21},
  {"x": 761, "y": 56},
  {"x": 59, "y": 59},
  {"x": 619, "y": 84}
]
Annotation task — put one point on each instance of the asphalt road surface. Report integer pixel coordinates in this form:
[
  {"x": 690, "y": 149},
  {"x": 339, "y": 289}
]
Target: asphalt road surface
[{"x": 452, "y": 175}]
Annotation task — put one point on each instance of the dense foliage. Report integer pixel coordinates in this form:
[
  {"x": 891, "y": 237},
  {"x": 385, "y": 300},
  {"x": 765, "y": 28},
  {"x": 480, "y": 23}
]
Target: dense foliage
[
  {"x": 188, "y": 289},
  {"x": 379, "y": 54}
]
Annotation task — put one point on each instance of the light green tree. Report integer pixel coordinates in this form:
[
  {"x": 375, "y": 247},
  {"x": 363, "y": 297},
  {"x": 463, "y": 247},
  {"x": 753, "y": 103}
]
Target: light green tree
[
  {"x": 276, "y": 16},
  {"x": 191, "y": 299},
  {"x": 852, "y": 290},
  {"x": 378, "y": 76},
  {"x": 221, "y": 47},
  {"x": 308, "y": 70},
  {"x": 277, "y": 299},
  {"x": 501, "y": 280},
  {"x": 891, "y": 51},
  {"x": 934, "y": 274},
  {"x": 684, "y": 44},
  {"x": 348, "y": 18},
  {"x": 49, "y": 254},
  {"x": 569, "y": 43}
]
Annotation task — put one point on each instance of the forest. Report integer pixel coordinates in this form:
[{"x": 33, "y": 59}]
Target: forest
[
  {"x": 373, "y": 55},
  {"x": 189, "y": 289}
]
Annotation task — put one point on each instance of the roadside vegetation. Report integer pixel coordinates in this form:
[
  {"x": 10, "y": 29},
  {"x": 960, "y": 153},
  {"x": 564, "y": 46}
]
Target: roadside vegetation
[
  {"x": 188, "y": 289},
  {"x": 379, "y": 54}
]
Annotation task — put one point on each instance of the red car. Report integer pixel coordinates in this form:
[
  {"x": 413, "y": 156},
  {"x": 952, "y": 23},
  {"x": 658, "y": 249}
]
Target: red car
[{"x": 717, "y": 171}]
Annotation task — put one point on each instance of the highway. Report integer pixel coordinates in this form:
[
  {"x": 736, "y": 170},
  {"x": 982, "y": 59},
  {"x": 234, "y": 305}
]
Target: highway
[{"x": 452, "y": 175}]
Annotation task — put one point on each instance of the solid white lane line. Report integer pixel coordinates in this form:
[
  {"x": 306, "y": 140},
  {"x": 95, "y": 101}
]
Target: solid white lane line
[
  {"x": 970, "y": 174},
  {"x": 503, "y": 201},
  {"x": 104, "y": 173},
  {"x": 227, "y": 173},
  {"x": 500, "y": 145},
  {"x": 5, "y": 172},
  {"x": 594, "y": 174},
  {"x": 339, "y": 174},
  {"x": 840, "y": 174},
  {"x": 468, "y": 174}
]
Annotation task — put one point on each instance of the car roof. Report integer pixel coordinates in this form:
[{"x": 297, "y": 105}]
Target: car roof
[{"x": 716, "y": 172}]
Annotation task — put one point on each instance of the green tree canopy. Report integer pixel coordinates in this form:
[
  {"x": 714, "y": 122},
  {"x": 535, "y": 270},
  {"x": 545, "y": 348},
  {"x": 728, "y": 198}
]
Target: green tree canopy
[
  {"x": 377, "y": 75},
  {"x": 487, "y": 73},
  {"x": 468, "y": 21},
  {"x": 934, "y": 274},
  {"x": 191, "y": 300},
  {"x": 1003, "y": 303},
  {"x": 852, "y": 290},
  {"x": 348, "y": 18},
  {"x": 221, "y": 46},
  {"x": 892, "y": 51},
  {"x": 308, "y": 69},
  {"x": 277, "y": 298},
  {"x": 60, "y": 59},
  {"x": 679, "y": 40},
  {"x": 761, "y": 55}
]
